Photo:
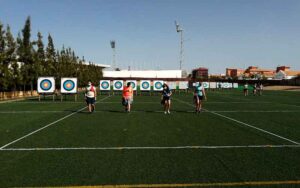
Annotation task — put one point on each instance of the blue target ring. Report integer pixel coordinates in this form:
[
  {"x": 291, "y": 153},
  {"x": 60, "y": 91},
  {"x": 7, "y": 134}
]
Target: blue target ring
[
  {"x": 145, "y": 85},
  {"x": 132, "y": 84},
  {"x": 104, "y": 85},
  {"x": 46, "y": 85},
  {"x": 158, "y": 85},
  {"x": 118, "y": 85},
  {"x": 69, "y": 85}
]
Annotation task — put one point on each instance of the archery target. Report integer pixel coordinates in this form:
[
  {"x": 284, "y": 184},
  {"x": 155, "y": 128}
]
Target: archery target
[
  {"x": 145, "y": 85},
  {"x": 205, "y": 85},
  {"x": 68, "y": 85},
  {"x": 183, "y": 85},
  {"x": 158, "y": 85},
  {"x": 46, "y": 85},
  {"x": 213, "y": 85},
  {"x": 225, "y": 85},
  {"x": 133, "y": 84},
  {"x": 219, "y": 85},
  {"x": 172, "y": 85},
  {"x": 118, "y": 85},
  {"x": 235, "y": 85},
  {"x": 104, "y": 85}
]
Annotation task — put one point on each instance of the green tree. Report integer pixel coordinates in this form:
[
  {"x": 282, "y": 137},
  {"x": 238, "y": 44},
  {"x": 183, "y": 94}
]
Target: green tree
[
  {"x": 11, "y": 60},
  {"x": 3, "y": 67},
  {"x": 50, "y": 67},
  {"x": 22, "y": 61},
  {"x": 40, "y": 55},
  {"x": 26, "y": 56}
]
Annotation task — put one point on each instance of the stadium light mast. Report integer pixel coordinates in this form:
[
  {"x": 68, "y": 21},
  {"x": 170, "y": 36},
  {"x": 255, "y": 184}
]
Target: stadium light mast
[
  {"x": 180, "y": 30},
  {"x": 113, "y": 47}
]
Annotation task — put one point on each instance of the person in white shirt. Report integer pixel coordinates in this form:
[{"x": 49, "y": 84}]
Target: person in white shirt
[
  {"x": 90, "y": 96},
  {"x": 260, "y": 89},
  {"x": 255, "y": 89},
  {"x": 246, "y": 89}
]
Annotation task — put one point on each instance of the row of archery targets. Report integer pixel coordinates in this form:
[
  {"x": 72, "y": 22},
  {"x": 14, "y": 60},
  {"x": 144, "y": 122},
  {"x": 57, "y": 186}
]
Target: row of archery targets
[{"x": 69, "y": 86}]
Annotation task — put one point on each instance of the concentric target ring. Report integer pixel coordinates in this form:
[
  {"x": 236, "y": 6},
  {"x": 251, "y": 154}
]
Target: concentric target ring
[
  {"x": 145, "y": 85},
  {"x": 132, "y": 84},
  {"x": 69, "y": 85},
  {"x": 104, "y": 85},
  {"x": 46, "y": 85},
  {"x": 118, "y": 85},
  {"x": 158, "y": 85}
]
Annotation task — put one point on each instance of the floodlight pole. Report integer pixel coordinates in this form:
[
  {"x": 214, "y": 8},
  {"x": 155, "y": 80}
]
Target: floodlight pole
[
  {"x": 114, "y": 58},
  {"x": 113, "y": 46},
  {"x": 180, "y": 30},
  {"x": 181, "y": 50}
]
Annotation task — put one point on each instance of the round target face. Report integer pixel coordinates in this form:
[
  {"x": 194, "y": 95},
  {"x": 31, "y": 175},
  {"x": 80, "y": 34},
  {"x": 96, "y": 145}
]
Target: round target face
[
  {"x": 132, "y": 84},
  {"x": 145, "y": 85},
  {"x": 104, "y": 85},
  {"x": 46, "y": 85},
  {"x": 118, "y": 85},
  {"x": 69, "y": 85},
  {"x": 158, "y": 85}
]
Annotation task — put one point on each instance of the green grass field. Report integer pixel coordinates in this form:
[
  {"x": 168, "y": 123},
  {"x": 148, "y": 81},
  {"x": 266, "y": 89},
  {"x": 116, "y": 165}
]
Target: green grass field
[{"x": 237, "y": 141}]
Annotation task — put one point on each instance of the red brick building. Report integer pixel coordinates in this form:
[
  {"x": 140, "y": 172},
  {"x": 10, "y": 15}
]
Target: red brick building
[
  {"x": 232, "y": 72},
  {"x": 200, "y": 72}
]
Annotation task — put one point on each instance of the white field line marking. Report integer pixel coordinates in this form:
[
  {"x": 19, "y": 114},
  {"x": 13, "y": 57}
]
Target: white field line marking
[
  {"x": 135, "y": 102},
  {"x": 48, "y": 125},
  {"x": 154, "y": 111},
  {"x": 284, "y": 104},
  {"x": 29, "y": 112},
  {"x": 70, "y": 102},
  {"x": 245, "y": 124},
  {"x": 149, "y": 148}
]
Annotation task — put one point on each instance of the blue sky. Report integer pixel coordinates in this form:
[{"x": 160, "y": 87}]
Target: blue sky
[{"x": 218, "y": 33}]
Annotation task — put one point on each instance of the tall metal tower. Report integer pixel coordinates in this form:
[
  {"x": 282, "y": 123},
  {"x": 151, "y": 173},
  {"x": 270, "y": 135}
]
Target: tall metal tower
[
  {"x": 113, "y": 46},
  {"x": 180, "y": 30}
]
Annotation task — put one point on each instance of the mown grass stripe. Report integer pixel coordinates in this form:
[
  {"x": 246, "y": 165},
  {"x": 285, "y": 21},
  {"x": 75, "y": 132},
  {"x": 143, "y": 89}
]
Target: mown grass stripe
[
  {"x": 48, "y": 125},
  {"x": 149, "y": 148},
  {"x": 245, "y": 124},
  {"x": 222, "y": 184}
]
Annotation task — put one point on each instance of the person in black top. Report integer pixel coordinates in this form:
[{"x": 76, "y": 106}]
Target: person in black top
[{"x": 166, "y": 98}]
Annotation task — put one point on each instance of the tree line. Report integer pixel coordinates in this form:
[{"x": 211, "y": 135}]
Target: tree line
[{"x": 23, "y": 60}]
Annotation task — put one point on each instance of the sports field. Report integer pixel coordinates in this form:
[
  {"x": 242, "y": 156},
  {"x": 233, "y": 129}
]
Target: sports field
[{"x": 237, "y": 141}]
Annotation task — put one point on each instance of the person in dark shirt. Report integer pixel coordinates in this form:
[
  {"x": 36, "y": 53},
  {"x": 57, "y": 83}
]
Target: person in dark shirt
[
  {"x": 199, "y": 95},
  {"x": 166, "y": 98}
]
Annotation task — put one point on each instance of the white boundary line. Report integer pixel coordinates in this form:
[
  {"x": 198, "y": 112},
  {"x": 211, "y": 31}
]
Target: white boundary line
[
  {"x": 149, "y": 148},
  {"x": 155, "y": 111},
  {"x": 136, "y": 102},
  {"x": 245, "y": 124},
  {"x": 48, "y": 125}
]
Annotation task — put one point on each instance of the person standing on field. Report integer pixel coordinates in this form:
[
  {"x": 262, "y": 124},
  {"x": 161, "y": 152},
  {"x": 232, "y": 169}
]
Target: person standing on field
[
  {"x": 127, "y": 98},
  {"x": 166, "y": 98},
  {"x": 254, "y": 89},
  {"x": 90, "y": 96},
  {"x": 246, "y": 89},
  {"x": 199, "y": 95},
  {"x": 260, "y": 89}
]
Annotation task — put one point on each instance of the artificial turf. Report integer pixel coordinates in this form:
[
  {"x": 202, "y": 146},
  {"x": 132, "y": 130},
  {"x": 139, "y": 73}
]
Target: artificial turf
[{"x": 97, "y": 137}]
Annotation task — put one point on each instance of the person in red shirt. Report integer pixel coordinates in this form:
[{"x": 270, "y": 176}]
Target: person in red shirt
[
  {"x": 90, "y": 96},
  {"x": 127, "y": 98}
]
